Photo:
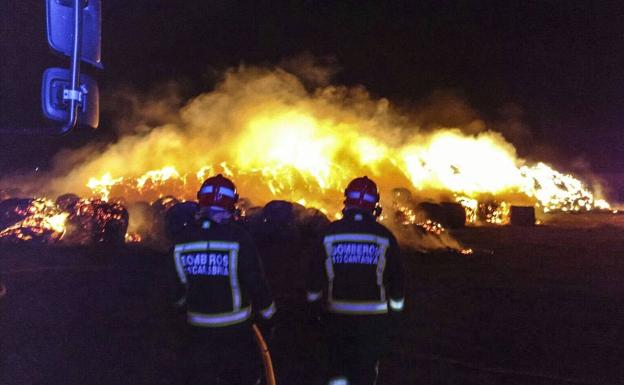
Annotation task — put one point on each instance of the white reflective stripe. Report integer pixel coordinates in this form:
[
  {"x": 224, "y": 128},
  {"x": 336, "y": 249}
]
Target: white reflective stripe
[
  {"x": 222, "y": 245},
  {"x": 338, "y": 381},
  {"x": 269, "y": 311},
  {"x": 329, "y": 268},
  {"x": 228, "y": 192},
  {"x": 397, "y": 304},
  {"x": 177, "y": 257},
  {"x": 236, "y": 293},
  {"x": 192, "y": 246},
  {"x": 358, "y": 195},
  {"x": 370, "y": 198},
  {"x": 381, "y": 266},
  {"x": 221, "y": 319},
  {"x": 313, "y": 296},
  {"x": 358, "y": 307},
  {"x": 206, "y": 189}
]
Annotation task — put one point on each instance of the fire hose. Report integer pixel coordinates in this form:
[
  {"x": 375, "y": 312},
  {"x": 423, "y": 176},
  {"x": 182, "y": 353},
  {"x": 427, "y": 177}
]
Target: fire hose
[{"x": 266, "y": 356}]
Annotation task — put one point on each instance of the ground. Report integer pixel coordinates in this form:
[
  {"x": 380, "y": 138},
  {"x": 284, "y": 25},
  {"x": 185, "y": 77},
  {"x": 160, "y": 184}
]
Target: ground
[{"x": 538, "y": 305}]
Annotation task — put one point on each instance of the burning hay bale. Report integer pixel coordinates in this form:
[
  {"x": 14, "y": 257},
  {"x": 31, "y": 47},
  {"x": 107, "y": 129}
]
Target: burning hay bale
[
  {"x": 279, "y": 222},
  {"x": 143, "y": 221},
  {"x": 36, "y": 220},
  {"x": 156, "y": 226},
  {"x": 312, "y": 222},
  {"x": 70, "y": 219},
  {"x": 94, "y": 221}
]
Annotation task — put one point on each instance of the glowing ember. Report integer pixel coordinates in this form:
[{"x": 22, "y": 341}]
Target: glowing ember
[
  {"x": 432, "y": 227},
  {"x": 132, "y": 238},
  {"x": 72, "y": 220},
  {"x": 42, "y": 219}
]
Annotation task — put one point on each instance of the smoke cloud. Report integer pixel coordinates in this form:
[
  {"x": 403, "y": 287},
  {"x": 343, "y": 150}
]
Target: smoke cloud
[{"x": 287, "y": 133}]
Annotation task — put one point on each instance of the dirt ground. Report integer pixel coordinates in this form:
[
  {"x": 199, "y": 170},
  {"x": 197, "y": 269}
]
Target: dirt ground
[{"x": 539, "y": 305}]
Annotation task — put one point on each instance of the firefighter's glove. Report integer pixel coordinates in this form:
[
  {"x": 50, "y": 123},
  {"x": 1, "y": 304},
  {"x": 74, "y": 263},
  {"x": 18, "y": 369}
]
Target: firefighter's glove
[
  {"x": 180, "y": 305},
  {"x": 265, "y": 319}
]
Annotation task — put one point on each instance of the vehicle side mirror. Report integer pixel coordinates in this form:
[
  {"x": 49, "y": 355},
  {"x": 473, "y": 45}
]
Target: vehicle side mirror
[
  {"x": 56, "y": 85},
  {"x": 60, "y": 16}
]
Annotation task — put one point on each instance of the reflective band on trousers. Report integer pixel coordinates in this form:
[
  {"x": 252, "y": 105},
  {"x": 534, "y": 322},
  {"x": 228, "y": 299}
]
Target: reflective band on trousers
[
  {"x": 217, "y": 320},
  {"x": 358, "y": 307},
  {"x": 338, "y": 381},
  {"x": 397, "y": 304},
  {"x": 269, "y": 311},
  {"x": 313, "y": 296}
]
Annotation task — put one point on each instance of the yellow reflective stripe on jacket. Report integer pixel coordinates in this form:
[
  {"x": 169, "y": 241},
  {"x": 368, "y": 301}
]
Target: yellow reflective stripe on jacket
[
  {"x": 358, "y": 307},
  {"x": 179, "y": 268},
  {"x": 219, "y": 319}
]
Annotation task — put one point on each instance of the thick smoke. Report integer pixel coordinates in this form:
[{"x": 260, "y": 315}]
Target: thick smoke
[{"x": 260, "y": 124}]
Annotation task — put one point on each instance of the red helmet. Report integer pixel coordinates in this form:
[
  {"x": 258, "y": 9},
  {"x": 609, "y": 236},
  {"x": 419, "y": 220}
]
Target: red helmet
[
  {"x": 218, "y": 191},
  {"x": 362, "y": 193}
]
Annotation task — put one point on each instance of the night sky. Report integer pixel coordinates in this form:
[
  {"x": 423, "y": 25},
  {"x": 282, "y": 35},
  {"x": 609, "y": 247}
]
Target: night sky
[{"x": 561, "y": 62}]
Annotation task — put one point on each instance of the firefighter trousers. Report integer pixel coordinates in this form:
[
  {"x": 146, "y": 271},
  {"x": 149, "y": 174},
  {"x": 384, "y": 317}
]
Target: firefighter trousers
[
  {"x": 355, "y": 344},
  {"x": 223, "y": 356}
]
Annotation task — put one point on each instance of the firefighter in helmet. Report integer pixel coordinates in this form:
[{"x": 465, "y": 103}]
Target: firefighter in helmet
[
  {"x": 356, "y": 286},
  {"x": 225, "y": 290}
]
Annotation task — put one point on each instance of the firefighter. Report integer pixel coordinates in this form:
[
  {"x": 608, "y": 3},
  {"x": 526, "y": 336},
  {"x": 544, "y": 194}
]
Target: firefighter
[
  {"x": 356, "y": 287},
  {"x": 224, "y": 290}
]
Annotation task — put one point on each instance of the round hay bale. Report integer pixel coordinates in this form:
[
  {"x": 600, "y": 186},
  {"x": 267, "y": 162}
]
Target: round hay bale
[
  {"x": 111, "y": 223},
  {"x": 161, "y": 205},
  {"x": 179, "y": 217},
  {"x": 142, "y": 220},
  {"x": 66, "y": 202},
  {"x": 279, "y": 221},
  {"x": 312, "y": 222},
  {"x": 402, "y": 196},
  {"x": 454, "y": 215},
  {"x": 12, "y": 211},
  {"x": 522, "y": 216},
  {"x": 432, "y": 211}
]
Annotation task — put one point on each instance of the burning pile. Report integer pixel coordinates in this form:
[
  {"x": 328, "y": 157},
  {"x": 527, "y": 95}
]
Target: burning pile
[
  {"x": 69, "y": 219},
  {"x": 31, "y": 220},
  {"x": 280, "y": 142}
]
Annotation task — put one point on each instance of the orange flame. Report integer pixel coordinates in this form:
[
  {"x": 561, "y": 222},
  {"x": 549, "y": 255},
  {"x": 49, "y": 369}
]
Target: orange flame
[{"x": 278, "y": 141}]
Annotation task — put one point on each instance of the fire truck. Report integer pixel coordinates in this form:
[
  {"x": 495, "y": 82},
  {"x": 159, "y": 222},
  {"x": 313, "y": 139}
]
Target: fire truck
[{"x": 69, "y": 97}]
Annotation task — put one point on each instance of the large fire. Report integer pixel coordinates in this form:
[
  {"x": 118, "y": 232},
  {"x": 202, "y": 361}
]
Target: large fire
[
  {"x": 303, "y": 164},
  {"x": 277, "y": 140}
]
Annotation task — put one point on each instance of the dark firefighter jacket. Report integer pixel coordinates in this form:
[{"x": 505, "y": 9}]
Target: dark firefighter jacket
[
  {"x": 358, "y": 263},
  {"x": 222, "y": 275}
]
